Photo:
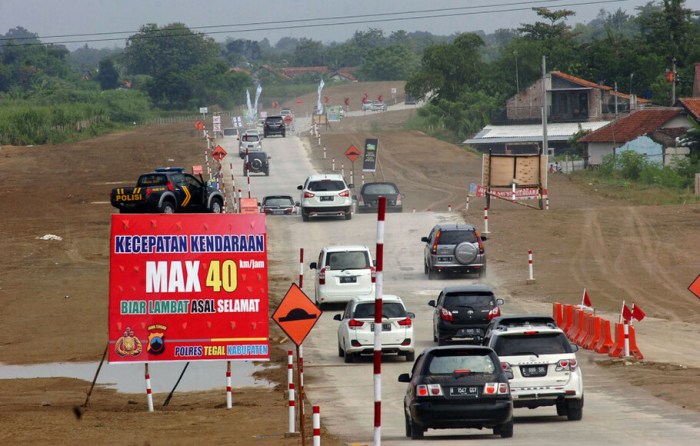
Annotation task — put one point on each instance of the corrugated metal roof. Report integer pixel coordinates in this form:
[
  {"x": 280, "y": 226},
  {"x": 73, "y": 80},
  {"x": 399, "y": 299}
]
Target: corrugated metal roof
[{"x": 531, "y": 132}]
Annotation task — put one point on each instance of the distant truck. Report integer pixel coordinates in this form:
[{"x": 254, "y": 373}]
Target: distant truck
[{"x": 168, "y": 190}]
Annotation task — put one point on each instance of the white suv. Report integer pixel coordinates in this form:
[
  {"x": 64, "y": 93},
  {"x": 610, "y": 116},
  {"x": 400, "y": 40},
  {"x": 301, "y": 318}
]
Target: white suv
[
  {"x": 325, "y": 195},
  {"x": 343, "y": 272},
  {"x": 356, "y": 329},
  {"x": 544, "y": 366}
]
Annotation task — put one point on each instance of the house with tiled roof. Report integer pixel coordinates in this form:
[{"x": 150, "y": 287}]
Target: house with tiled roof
[
  {"x": 293, "y": 72},
  {"x": 651, "y": 132},
  {"x": 573, "y": 105},
  {"x": 345, "y": 74}
]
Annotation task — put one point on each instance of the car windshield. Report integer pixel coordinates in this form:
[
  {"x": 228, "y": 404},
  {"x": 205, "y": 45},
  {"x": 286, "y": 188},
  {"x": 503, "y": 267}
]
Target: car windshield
[
  {"x": 326, "y": 186},
  {"x": 379, "y": 189},
  {"x": 278, "y": 201},
  {"x": 468, "y": 300},
  {"x": 152, "y": 180},
  {"x": 389, "y": 310},
  {"x": 348, "y": 260},
  {"x": 540, "y": 344},
  {"x": 449, "y": 364},
  {"x": 456, "y": 237}
]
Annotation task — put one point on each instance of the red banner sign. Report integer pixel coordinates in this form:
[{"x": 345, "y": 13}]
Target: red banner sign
[
  {"x": 527, "y": 193},
  {"x": 188, "y": 287}
]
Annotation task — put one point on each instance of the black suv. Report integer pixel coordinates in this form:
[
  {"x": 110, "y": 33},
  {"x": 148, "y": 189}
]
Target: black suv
[
  {"x": 274, "y": 125},
  {"x": 454, "y": 248},
  {"x": 458, "y": 387},
  {"x": 258, "y": 162},
  {"x": 462, "y": 313}
]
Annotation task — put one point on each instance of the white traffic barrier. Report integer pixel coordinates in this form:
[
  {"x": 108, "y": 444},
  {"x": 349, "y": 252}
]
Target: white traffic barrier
[
  {"x": 486, "y": 220},
  {"x": 291, "y": 408},
  {"x": 317, "y": 425},
  {"x": 301, "y": 267},
  {"x": 149, "y": 392},
  {"x": 229, "y": 395},
  {"x": 531, "y": 277}
]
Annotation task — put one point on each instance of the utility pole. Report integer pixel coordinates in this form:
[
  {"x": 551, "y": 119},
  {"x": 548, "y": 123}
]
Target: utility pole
[
  {"x": 517, "y": 80},
  {"x": 673, "y": 82},
  {"x": 545, "y": 143}
]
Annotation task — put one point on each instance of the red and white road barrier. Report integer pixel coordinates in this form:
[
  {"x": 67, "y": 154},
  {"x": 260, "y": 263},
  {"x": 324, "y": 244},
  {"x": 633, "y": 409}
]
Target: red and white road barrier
[
  {"x": 466, "y": 208},
  {"x": 149, "y": 392},
  {"x": 530, "y": 277},
  {"x": 229, "y": 394},
  {"x": 546, "y": 203},
  {"x": 291, "y": 408},
  {"x": 301, "y": 267},
  {"x": 248, "y": 180},
  {"x": 239, "y": 200},
  {"x": 381, "y": 211},
  {"x": 333, "y": 165},
  {"x": 486, "y": 220},
  {"x": 317, "y": 425},
  {"x": 324, "y": 152},
  {"x": 512, "y": 193},
  {"x": 449, "y": 208}
]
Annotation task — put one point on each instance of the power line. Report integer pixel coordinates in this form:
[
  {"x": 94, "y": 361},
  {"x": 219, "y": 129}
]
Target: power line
[{"x": 347, "y": 20}]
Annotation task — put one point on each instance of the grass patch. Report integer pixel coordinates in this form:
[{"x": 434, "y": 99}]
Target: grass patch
[{"x": 634, "y": 192}]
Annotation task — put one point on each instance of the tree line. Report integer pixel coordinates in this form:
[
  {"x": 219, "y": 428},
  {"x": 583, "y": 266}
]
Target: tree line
[{"x": 467, "y": 77}]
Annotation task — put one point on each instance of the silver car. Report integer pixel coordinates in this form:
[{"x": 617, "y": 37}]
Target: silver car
[{"x": 454, "y": 248}]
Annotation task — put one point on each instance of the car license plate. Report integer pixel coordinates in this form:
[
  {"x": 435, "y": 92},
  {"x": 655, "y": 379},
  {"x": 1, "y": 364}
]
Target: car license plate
[
  {"x": 465, "y": 392},
  {"x": 533, "y": 370},
  {"x": 326, "y": 198},
  {"x": 468, "y": 332},
  {"x": 278, "y": 212},
  {"x": 385, "y": 327},
  {"x": 348, "y": 279}
]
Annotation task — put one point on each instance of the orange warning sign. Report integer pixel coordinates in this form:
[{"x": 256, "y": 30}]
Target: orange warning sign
[
  {"x": 296, "y": 314},
  {"x": 199, "y": 125},
  {"x": 219, "y": 153},
  {"x": 695, "y": 287}
]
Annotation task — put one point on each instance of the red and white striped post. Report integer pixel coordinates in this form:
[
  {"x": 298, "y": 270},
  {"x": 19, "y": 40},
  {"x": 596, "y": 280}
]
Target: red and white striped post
[
  {"x": 363, "y": 179},
  {"x": 342, "y": 170},
  {"x": 530, "y": 278},
  {"x": 317, "y": 425},
  {"x": 512, "y": 193},
  {"x": 546, "y": 204},
  {"x": 247, "y": 170},
  {"x": 466, "y": 208},
  {"x": 333, "y": 165},
  {"x": 239, "y": 200},
  {"x": 291, "y": 408},
  {"x": 206, "y": 158},
  {"x": 233, "y": 187},
  {"x": 486, "y": 220},
  {"x": 149, "y": 393},
  {"x": 449, "y": 208},
  {"x": 248, "y": 180},
  {"x": 229, "y": 395},
  {"x": 626, "y": 332},
  {"x": 301, "y": 267},
  {"x": 378, "y": 324},
  {"x": 324, "y": 152}
]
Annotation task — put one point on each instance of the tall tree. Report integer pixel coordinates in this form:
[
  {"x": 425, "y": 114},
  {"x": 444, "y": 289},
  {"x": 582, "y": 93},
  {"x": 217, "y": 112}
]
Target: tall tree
[{"x": 107, "y": 75}]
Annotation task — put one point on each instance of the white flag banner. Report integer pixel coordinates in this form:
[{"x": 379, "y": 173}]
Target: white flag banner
[
  {"x": 257, "y": 96},
  {"x": 319, "y": 105},
  {"x": 251, "y": 116}
]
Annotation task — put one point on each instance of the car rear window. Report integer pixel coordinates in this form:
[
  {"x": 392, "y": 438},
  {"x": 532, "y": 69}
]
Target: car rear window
[
  {"x": 281, "y": 201},
  {"x": 274, "y": 119},
  {"x": 348, "y": 260},
  {"x": 152, "y": 180},
  {"x": 326, "y": 185},
  {"x": 473, "y": 363},
  {"x": 540, "y": 344},
  {"x": 251, "y": 138},
  {"x": 378, "y": 189},
  {"x": 389, "y": 309},
  {"x": 468, "y": 300},
  {"x": 456, "y": 237}
]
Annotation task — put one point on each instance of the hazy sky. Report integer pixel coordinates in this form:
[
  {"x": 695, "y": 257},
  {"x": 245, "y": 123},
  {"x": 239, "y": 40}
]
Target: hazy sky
[{"x": 86, "y": 21}]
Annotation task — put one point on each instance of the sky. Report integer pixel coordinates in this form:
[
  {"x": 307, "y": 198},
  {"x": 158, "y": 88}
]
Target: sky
[{"x": 107, "y": 23}]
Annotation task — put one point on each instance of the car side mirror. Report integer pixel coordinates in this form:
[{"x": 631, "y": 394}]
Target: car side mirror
[
  {"x": 574, "y": 347},
  {"x": 431, "y": 303},
  {"x": 313, "y": 265},
  {"x": 500, "y": 301},
  {"x": 351, "y": 186},
  {"x": 269, "y": 157},
  {"x": 424, "y": 239},
  {"x": 337, "y": 317},
  {"x": 509, "y": 374},
  {"x": 484, "y": 238},
  {"x": 300, "y": 187},
  {"x": 411, "y": 315},
  {"x": 404, "y": 378},
  {"x": 296, "y": 203}
]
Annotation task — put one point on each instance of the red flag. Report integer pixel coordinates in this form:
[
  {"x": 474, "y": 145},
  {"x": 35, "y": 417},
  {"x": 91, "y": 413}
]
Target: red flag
[
  {"x": 585, "y": 301},
  {"x": 637, "y": 313},
  {"x": 626, "y": 314}
]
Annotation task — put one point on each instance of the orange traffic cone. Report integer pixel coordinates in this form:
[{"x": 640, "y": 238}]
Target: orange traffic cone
[
  {"x": 618, "y": 350},
  {"x": 605, "y": 343}
]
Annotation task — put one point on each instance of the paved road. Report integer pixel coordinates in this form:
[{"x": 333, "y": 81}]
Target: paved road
[{"x": 614, "y": 413}]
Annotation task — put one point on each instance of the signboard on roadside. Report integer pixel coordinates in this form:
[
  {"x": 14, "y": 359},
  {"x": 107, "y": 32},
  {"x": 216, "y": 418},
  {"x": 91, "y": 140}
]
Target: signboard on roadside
[
  {"x": 188, "y": 287},
  {"x": 369, "y": 162},
  {"x": 216, "y": 121},
  {"x": 297, "y": 314}
]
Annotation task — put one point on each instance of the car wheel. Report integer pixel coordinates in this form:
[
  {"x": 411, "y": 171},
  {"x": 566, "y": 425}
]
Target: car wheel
[
  {"x": 505, "y": 430},
  {"x": 304, "y": 215},
  {"x": 425, "y": 268},
  {"x": 341, "y": 352},
  {"x": 348, "y": 214},
  {"x": 216, "y": 207},
  {"x": 465, "y": 253},
  {"x": 432, "y": 274},
  {"x": 245, "y": 172},
  {"x": 267, "y": 172},
  {"x": 435, "y": 336},
  {"x": 410, "y": 356},
  {"x": 441, "y": 342},
  {"x": 408, "y": 425},
  {"x": 166, "y": 208},
  {"x": 574, "y": 410},
  {"x": 416, "y": 430},
  {"x": 349, "y": 357},
  {"x": 482, "y": 272}
]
